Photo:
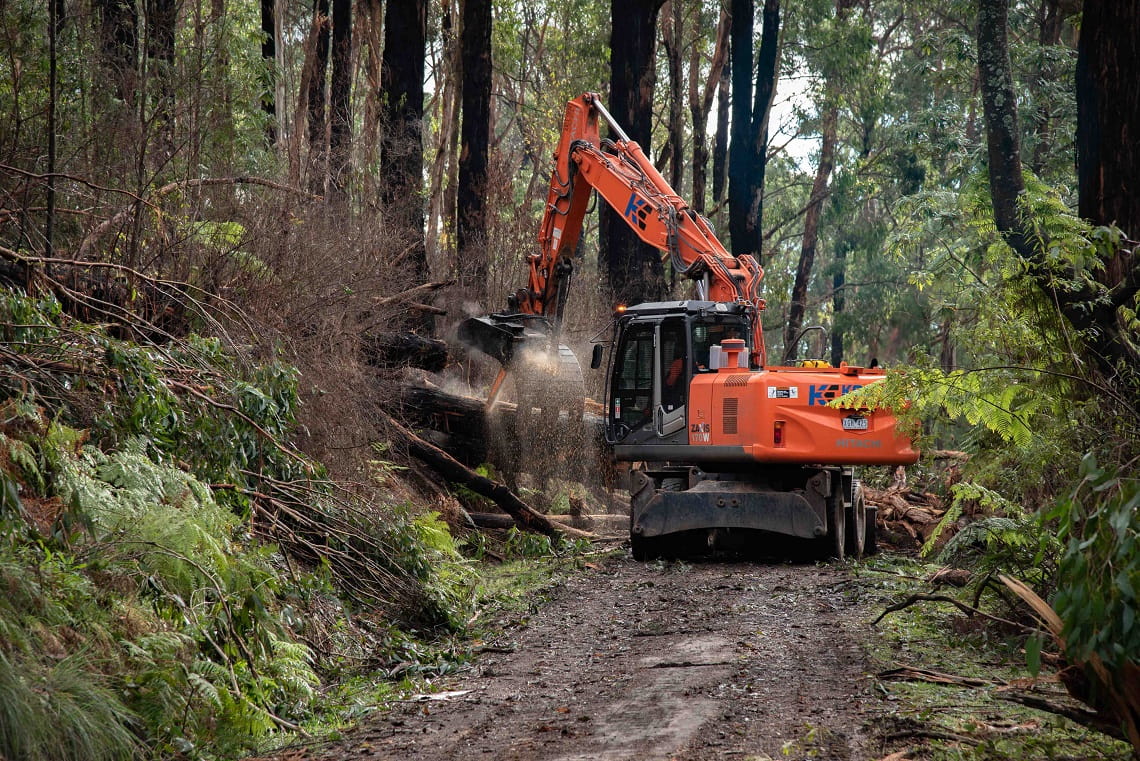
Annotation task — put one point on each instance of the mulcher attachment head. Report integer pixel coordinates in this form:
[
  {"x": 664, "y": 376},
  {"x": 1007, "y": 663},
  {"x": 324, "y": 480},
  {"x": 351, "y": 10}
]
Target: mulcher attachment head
[{"x": 502, "y": 336}]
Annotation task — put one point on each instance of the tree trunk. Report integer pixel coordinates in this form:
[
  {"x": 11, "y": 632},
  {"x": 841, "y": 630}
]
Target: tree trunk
[
  {"x": 474, "y": 141},
  {"x": 1108, "y": 110},
  {"x": 634, "y": 268},
  {"x": 340, "y": 102},
  {"x": 767, "y": 73},
  {"x": 1108, "y": 105},
  {"x": 838, "y": 304},
  {"x": 740, "y": 151},
  {"x": 456, "y": 472},
  {"x": 798, "y": 303},
  {"x": 269, "y": 62},
  {"x": 720, "y": 144},
  {"x": 1050, "y": 21},
  {"x": 373, "y": 34},
  {"x": 221, "y": 121},
  {"x": 672, "y": 36},
  {"x": 700, "y": 104},
  {"x": 118, "y": 41},
  {"x": 55, "y": 26},
  {"x": 318, "y": 90},
  {"x": 402, "y": 80},
  {"x": 161, "y": 17},
  {"x": 1108, "y": 161},
  {"x": 441, "y": 172}
]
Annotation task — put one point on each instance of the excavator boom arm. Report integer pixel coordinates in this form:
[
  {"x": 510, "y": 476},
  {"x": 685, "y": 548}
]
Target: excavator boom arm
[{"x": 625, "y": 179}]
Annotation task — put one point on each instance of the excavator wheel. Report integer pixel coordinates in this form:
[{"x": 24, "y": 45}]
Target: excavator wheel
[
  {"x": 835, "y": 543},
  {"x": 856, "y": 524},
  {"x": 871, "y": 536}
]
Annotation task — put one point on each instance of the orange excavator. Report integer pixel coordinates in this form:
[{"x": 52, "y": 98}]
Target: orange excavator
[{"x": 723, "y": 447}]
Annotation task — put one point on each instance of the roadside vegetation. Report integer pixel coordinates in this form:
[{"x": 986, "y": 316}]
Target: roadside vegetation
[{"x": 179, "y": 579}]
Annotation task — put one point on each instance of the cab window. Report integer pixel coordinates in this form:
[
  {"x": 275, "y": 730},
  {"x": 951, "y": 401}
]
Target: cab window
[
  {"x": 633, "y": 383},
  {"x": 708, "y": 331}
]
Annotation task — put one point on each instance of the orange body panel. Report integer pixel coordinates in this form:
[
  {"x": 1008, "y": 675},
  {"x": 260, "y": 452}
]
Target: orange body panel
[{"x": 741, "y": 408}]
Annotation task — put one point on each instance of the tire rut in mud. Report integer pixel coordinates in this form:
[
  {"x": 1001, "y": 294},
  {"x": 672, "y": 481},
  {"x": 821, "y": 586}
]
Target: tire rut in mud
[{"x": 646, "y": 661}]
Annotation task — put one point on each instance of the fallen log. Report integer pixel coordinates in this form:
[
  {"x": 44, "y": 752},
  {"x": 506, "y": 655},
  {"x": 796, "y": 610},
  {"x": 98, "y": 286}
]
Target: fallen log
[
  {"x": 603, "y": 521},
  {"x": 454, "y": 471},
  {"x": 405, "y": 349}
]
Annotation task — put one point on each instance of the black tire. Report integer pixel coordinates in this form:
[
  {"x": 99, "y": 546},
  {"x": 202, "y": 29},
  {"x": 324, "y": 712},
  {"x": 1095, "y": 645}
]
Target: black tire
[
  {"x": 641, "y": 548},
  {"x": 856, "y": 533},
  {"x": 871, "y": 535},
  {"x": 836, "y": 539}
]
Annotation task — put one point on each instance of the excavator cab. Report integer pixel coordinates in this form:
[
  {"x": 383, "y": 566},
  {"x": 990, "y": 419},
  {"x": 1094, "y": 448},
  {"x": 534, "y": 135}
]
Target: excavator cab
[{"x": 658, "y": 350}]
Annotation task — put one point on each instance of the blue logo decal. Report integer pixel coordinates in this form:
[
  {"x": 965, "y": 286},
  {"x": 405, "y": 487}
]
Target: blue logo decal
[
  {"x": 636, "y": 210},
  {"x": 822, "y": 393}
]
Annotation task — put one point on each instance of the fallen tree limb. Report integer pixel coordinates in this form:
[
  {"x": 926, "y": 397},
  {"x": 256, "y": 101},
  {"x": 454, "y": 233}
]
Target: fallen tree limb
[
  {"x": 1088, "y": 719},
  {"x": 967, "y": 609},
  {"x": 913, "y": 674},
  {"x": 934, "y": 734},
  {"x": 456, "y": 472}
]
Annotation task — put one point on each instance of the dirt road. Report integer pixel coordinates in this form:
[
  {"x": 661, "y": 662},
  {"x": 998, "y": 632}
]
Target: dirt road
[{"x": 658, "y": 661}]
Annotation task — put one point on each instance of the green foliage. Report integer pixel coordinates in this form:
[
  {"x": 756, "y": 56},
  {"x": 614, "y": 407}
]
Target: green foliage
[
  {"x": 62, "y": 712},
  {"x": 1099, "y": 522},
  {"x": 524, "y": 544},
  {"x": 193, "y": 622}
]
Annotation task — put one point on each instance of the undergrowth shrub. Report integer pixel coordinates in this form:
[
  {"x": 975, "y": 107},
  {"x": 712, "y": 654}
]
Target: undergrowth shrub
[
  {"x": 1099, "y": 522},
  {"x": 171, "y": 562}
]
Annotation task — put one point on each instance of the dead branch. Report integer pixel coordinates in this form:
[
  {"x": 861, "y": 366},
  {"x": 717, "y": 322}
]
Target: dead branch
[
  {"x": 412, "y": 292},
  {"x": 525, "y": 516},
  {"x": 72, "y": 178},
  {"x": 101, "y": 229},
  {"x": 934, "y": 734},
  {"x": 914, "y": 674},
  {"x": 1088, "y": 719},
  {"x": 967, "y": 609}
]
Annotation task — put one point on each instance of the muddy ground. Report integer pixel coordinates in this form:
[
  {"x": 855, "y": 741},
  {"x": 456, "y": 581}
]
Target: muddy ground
[{"x": 635, "y": 660}]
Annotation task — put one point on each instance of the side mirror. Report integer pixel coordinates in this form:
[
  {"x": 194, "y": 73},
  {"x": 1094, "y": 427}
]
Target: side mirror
[{"x": 596, "y": 357}]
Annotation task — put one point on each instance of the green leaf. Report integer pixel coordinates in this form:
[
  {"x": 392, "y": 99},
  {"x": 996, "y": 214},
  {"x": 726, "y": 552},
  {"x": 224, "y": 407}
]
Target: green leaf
[{"x": 1033, "y": 654}]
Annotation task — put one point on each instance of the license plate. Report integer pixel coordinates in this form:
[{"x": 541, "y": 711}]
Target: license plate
[{"x": 854, "y": 423}]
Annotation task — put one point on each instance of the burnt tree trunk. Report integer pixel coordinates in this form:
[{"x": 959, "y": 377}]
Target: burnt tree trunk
[
  {"x": 748, "y": 153},
  {"x": 739, "y": 152},
  {"x": 720, "y": 141},
  {"x": 402, "y": 163},
  {"x": 767, "y": 73},
  {"x": 1108, "y": 161},
  {"x": 672, "y": 38},
  {"x": 634, "y": 268},
  {"x": 340, "y": 101},
  {"x": 161, "y": 17},
  {"x": 119, "y": 44},
  {"x": 269, "y": 62},
  {"x": 474, "y": 141},
  {"x": 317, "y": 122}
]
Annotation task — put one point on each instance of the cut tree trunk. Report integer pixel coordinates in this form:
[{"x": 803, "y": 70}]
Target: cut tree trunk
[{"x": 456, "y": 472}]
